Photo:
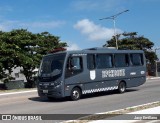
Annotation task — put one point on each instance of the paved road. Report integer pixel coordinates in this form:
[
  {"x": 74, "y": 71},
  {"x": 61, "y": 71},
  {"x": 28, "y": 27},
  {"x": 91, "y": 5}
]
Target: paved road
[{"x": 30, "y": 103}]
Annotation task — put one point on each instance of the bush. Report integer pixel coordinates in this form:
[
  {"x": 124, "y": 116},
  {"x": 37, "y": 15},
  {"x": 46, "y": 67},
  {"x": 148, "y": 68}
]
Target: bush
[{"x": 15, "y": 84}]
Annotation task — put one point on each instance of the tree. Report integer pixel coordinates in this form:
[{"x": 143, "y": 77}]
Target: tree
[
  {"x": 134, "y": 42},
  {"x": 21, "y": 48}
]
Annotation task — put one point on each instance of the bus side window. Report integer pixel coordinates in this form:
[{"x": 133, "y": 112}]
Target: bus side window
[
  {"x": 136, "y": 59},
  {"x": 121, "y": 60},
  {"x": 76, "y": 63},
  {"x": 91, "y": 61},
  {"x": 104, "y": 61},
  {"x": 74, "y": 66}
]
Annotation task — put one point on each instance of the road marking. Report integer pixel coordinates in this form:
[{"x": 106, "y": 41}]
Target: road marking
[{"x": 21, "y": 92}]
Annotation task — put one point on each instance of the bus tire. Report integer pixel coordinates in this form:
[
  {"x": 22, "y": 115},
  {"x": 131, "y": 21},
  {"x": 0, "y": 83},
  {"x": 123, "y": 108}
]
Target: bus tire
[
  {"x": 122, "y": 87},
  {"x": 75, "y": 94}
]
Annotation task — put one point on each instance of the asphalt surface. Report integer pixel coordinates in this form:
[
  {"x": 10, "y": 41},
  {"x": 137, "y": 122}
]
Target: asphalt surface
[{"x": 30, "y": 103}]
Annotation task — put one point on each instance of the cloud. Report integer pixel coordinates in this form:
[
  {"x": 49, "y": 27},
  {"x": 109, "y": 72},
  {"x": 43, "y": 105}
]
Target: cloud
[
  {"x": 73, "y": 47},
  {"x": 95, "y": 32},
  {"x": 49, "y": 24},
  {"x": 7, "y": 25},
  {"x": 4, "y": 9}
]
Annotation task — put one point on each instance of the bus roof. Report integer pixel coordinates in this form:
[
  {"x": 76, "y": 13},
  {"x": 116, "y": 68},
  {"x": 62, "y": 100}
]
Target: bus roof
[{"x": 99, "y": 50}]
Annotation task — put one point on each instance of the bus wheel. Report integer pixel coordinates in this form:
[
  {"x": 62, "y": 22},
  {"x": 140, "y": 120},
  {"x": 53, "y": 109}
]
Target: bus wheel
[
  {"x": 75, "y": 94},
  {"x": 122, "y": 87}
]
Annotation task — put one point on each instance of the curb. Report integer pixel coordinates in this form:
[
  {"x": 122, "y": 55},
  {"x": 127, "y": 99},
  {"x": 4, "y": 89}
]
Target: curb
[
  {"x": 148, "y": 78},
  {"x": 20, "y": 92},
  {"x": 109, "y": 114}
]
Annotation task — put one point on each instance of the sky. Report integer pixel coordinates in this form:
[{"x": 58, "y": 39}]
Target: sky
[{"x": 77, "y": 21}]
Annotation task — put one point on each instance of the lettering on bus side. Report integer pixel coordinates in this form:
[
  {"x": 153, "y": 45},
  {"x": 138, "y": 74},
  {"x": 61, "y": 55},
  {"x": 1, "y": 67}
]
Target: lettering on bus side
[
  {"x": 113, "y": 73},
  {"x": 81, "y": 54}
]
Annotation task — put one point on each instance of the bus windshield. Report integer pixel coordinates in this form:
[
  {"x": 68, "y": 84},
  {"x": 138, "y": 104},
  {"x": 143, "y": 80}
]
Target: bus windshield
[{"x": 52, "y": 65}]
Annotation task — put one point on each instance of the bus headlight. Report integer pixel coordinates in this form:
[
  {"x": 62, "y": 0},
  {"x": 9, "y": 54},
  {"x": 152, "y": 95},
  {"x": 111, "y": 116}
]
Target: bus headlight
[{"x": 56, "y": 84}]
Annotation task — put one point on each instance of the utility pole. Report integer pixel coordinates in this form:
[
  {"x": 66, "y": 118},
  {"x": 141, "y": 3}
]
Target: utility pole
[{"x": 113, "y": 17}]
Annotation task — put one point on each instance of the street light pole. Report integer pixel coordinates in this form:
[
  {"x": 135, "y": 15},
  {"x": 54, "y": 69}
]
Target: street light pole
[
  {"x": 114, "y": 23},
  {"x": 113, "y": 17},
  {"x": 156, "y": 61}
]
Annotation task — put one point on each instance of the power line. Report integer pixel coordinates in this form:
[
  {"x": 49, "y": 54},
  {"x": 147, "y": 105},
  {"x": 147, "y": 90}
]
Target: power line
[{"x": 113, "y": 17}]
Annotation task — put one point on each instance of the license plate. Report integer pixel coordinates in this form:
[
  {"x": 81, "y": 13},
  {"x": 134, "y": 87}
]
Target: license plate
[{"x": 45, "y": 91}]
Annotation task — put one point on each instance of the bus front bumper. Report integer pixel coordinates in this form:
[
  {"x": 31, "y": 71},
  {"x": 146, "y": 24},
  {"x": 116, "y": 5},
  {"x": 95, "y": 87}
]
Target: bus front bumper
[{"x": 50, "y": 92}]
